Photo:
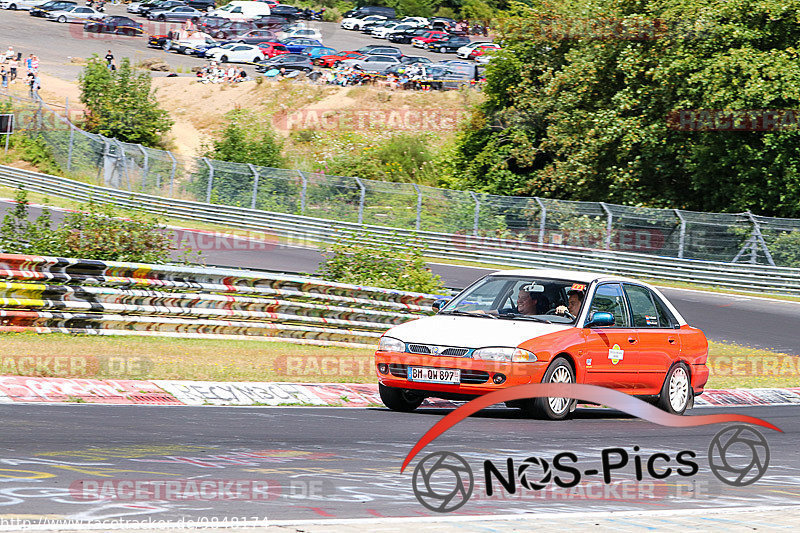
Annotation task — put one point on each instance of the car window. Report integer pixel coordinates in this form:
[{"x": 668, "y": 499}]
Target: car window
[
  {"x": 665, "y": 317},
  {"x": 608, "y": 298},
  {"x": 643, "y": 309},
  {"x": 236, "y": 10}
]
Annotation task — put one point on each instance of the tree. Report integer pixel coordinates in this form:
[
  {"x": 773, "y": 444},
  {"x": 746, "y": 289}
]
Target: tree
[
  {"x": 121, "y": 103},
  {"x": 578, "y": 105}
]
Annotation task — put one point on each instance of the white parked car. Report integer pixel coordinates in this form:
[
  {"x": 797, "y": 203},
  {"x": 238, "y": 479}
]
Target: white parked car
[
  {"x": 236, "y": 53},
  {"x": 353, "y": 23},
  {"x": 78, "y": 14},
  {"x": 242, "y": 10},
  {"x": 416, "y": 21},
  {"x": 133, "y": 7},
  {"x": 381, "y": 32},
  {"x": 308, "y": 33},
  {"x": 466, "y": 50},
  {"x": 21, "y": 5},
  {"x": 399, "y": 28},
  {"x": 377, "y": 63}
]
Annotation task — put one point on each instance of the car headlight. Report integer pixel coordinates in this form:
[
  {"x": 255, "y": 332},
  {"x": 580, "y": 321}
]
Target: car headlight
[
  {"x": 514, "y": 355},
  {"x": 390, "y": 344}
]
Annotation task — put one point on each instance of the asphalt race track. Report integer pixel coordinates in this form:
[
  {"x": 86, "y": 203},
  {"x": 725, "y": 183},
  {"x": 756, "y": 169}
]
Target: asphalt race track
[
  {"x": 345, "y": 463},
  {"x": 755, "y": 322}
]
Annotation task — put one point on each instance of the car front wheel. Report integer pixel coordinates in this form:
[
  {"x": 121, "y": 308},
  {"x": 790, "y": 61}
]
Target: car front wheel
[
  {"x": 399, "y": 399},
  {"x": 223, "y": 59},
  {"x": 560, "y": 371},
  {"x": 677, "y": 390},
  {"x": 62, "y": 19}
]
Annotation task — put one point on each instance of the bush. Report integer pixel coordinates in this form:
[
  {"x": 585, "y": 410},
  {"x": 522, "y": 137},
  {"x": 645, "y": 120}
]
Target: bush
[
  {"x": 364, "y": 259},
  {"x": 402, "y": 158},
  {"x": 785, "y": 249},
  {"x": 97, "y": 233},
  {"x": 120, "y": 104}
]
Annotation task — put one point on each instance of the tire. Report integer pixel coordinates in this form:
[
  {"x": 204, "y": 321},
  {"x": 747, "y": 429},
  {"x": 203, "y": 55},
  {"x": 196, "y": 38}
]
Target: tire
[
  {"x": 398, "y": 399},
  {"x": 307, "y": 70},
  {"x": 223, "y": 59},
  {"x": 62, "y": 19},
  {"x": 209, "y": 9},
  {"x": 256, "y": 60},
  {"x": 12, "y": 7},
  {"x": 559, "y": 371},
  {"x": 442, "y": 50},
  {"x": 161, "y": 18},
  {"x": 676, "y": 393},
  {"x": 337, "y": 64}
]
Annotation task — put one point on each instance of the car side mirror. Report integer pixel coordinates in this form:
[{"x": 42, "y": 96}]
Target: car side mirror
[
  {"x": 599, "y": 319},
  {"x": 438, "y": 304}
]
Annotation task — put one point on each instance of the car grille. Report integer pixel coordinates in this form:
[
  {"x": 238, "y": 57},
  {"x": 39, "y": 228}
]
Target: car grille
[
  {"x": 467, "y": 376},
  {"x": 437, "y": 350}
]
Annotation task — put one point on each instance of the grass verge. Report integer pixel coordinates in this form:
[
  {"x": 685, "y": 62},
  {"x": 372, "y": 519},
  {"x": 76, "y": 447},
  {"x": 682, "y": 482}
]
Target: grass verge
[{"x": 132, "y": 357}]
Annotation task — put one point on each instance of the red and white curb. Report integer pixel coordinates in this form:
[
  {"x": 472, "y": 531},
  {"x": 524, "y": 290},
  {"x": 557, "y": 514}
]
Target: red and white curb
[{"x": 20, "y": 389}]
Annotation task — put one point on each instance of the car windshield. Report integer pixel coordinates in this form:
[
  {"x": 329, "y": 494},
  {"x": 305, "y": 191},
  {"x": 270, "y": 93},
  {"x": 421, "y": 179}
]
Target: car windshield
[{"x": 517, "y": 297}]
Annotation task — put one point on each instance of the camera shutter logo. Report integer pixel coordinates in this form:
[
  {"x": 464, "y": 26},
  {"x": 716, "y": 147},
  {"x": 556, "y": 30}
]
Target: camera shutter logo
[
  {"x": 529, "y": 479},
  {"x": 443, "y": 482},
  {"x": 738, "y": 455}
]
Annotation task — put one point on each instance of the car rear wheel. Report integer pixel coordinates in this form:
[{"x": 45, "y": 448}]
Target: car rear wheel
[
  {"x": 62, "y": 19},
  {"x": 257, "y": 59},
  {"x": 399, "y": 399},
  {"x": 223, "y": 59},
  {"x": 162, "y": 18},
  {"x": 442, "y": 50},
  {"x": 13, "y": 7},
  {"x": 677, "y": 390},
  {"x": 559, "y": 371}
]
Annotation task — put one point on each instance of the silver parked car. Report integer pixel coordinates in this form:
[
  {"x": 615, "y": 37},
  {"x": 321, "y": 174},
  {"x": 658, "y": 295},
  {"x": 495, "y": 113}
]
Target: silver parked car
[{"x": 376, "y": 63}]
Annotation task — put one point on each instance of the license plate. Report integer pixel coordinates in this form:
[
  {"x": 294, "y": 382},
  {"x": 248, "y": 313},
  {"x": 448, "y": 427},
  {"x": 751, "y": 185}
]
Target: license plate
[{"x": 434, "y": 375}]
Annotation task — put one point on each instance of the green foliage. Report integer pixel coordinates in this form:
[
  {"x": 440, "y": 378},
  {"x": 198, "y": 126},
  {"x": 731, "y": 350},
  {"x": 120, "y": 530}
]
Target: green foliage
[
  {"x": 35, "y": 151},
  {"x": 402, "y": 158},
  {"x": 785, "y": 248},
  {"x": 247, "y": 138},
  {"x": 579, "y": 111},
  {"x": 364, "y": 259},
  {"x": 97, "y": 233},
  {"x": 121, "y": 103}
]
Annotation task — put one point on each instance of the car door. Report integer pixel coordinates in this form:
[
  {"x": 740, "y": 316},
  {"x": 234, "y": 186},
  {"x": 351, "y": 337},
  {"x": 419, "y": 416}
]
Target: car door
[
  {"x": 609, "y": 354},
  {"x": 659, "y": 341}
]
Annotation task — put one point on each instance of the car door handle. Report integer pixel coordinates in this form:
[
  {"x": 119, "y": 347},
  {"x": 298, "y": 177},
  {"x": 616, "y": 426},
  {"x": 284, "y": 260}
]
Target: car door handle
[
  {"x": 671, "y": 340},
  {"x": 632, "y": 340}
]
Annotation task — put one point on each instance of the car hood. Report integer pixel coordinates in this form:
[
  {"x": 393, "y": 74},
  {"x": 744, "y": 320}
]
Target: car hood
[{"x": 469, "y": 332}]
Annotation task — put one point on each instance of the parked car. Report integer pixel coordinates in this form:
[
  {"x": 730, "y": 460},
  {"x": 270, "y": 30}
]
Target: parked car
[
  {"x": 235, "y": 53},
  {"x": 318, "y": 51},
  {"x": 163, "y": 5},
  {"x": 243, "y": 10},
  {"x": 133, "y": 7},
  {"x": 334, "y": 60},
  {"x": 272, "y": 22},
  {"x": 288, "y": 12},
  {"x": 427, "y": 37},
  {"x": 272, "y": 49},
  {"x": 363, "y": 11},
  {"x": 448, "y": 44},
  {"x": 201, "y": 5},
  {"x": 380, "y": 32},
  {"x": 405, "y": 36},
  {"x": 47, "y": 7},
  {"x": 356, "y": 23},
  {"x": 255, "y": 36},
  {"x": 20, "y": 5},
  {"x": 194, "y": 43},
  {"x": 309, "y": 33},
  {"x": 79, "y": 14},
  {"x": 505, "y": 330},
  {"x": 232, "y": 29},
  {"x": 114, "y": 24},
  {"x": 465, "y": 51},
  {"x": 373, "y": 63},
  {"x": 210, "y": 24},
  {"x": 286, "y": 61},
  {"x": 176, "y": 14},
  {"x": 296, "y": 45},
  {"x": 414, "y": 60},
  {"x": 385, "y": 51}
]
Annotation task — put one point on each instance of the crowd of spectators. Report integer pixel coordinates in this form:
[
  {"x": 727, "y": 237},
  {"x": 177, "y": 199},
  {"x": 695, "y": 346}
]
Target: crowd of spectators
[
  {"x": 11, "y": 62},
  {"x": 215, "y": 73}
]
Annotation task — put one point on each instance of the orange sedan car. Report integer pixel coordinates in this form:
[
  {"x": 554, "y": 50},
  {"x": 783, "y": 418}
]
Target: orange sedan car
[{"x": 516, "y": 327}]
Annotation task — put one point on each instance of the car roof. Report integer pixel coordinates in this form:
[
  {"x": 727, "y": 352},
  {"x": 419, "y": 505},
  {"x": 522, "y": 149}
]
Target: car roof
[{"x": 584, "y": 277}]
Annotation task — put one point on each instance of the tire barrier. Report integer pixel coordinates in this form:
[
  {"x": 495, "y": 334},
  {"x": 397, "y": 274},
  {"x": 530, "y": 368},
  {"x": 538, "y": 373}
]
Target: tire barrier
[{"x": 54, "y": 294}]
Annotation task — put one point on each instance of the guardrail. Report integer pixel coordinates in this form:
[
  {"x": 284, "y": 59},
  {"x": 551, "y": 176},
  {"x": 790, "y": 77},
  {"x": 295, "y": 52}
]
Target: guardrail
[
  {"x": 508, "y": 252},
  {"x": 50, "y": 294}
]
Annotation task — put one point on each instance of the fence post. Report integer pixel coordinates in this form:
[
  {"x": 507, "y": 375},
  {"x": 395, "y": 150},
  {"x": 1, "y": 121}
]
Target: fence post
[
  {"x": 172, "y": 175},
  {"x": 608, "y": 224},
  {"x": 542, "y": 219},
  {"x": 210, "y": 179},
  {"x": 146, "y": 168},
  {"x": 477, "y": 213},
  {"x": 255, "y": 185},
  {"x": 361, "y": 201},
  {"x": 124, "y": 164},
  {"x": 682, "y": 236},
  {"x": 419, "y": 206},
  {"x": 303, "y": 189},
  {"x": 759, "y": 238},
  {"x": 71, "y": 143}
]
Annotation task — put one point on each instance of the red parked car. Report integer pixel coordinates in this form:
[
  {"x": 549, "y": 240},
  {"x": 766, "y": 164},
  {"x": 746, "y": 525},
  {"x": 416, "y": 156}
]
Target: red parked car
[
  {"x": 272, "y": 49},
  {"x": 428, "y": 37},
  {"x": 334, "y": 60}
]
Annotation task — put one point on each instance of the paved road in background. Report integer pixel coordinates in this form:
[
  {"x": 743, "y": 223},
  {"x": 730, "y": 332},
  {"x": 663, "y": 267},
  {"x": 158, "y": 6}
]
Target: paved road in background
[
  {"x": 755, "y": 322},
  {"x": 345, "y": 463},
  {"x": 55, "y": 43}
]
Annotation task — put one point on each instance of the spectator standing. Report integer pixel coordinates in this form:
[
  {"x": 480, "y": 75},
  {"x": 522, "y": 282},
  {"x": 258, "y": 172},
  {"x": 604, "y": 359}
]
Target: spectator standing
[
  {"x": 13, "y": 65},
  {"x": 4, "y": 76},
  {"x": 109, "y": 60},
  {"x": 29, "y": 63},
  {"x": 34, "y": 64},
  {"x": 10, "y": 53}
]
